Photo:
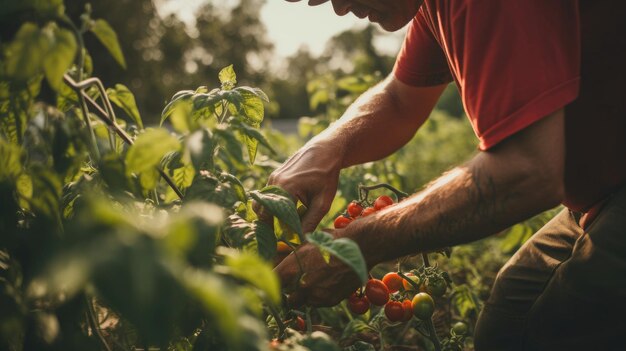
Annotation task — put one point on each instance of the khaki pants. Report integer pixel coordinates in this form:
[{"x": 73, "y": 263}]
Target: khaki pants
[{"x": 565, "y": 289}]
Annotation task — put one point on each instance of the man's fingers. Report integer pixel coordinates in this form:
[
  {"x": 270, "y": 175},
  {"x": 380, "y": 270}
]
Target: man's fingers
[{"x": 313, "y": 215}]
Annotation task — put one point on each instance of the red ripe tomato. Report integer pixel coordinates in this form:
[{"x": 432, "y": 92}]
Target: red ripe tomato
[
  {"x": 300, "y": 324},
  {"x": 342, "y": 222},
  {"x": 377, "y": 292},
  {"x": 408, "y": 310},
  {"x": 354, "y": 209},
  {"x": 394, "y": 311},
  {"x": 368, "y": 211},
  {"x": 393, "y": 281},
  {"x": 358, "y": 304},
  {"x": 382, "y": 202}
]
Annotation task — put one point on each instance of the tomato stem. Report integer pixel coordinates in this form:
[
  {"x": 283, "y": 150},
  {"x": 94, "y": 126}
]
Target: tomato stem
[
  {"x": 279, "y": 321},
  {"x": 364, "y": 191}
]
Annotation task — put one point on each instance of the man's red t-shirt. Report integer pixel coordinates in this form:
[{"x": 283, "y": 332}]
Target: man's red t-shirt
[{"x": 517, "y": 61}]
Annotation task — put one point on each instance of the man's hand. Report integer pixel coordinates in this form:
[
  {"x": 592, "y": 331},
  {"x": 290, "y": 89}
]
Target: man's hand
[
  {"x": 381, "y": 121},
  {"x": 322, "y": 284},
  {"x": 311, "y": 176}
]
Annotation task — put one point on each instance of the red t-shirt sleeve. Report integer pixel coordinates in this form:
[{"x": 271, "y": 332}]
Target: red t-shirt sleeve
[
  {"x": 421, "y": 61},
  {"x": 520, "y": 62},
  {"x": 514, "y": 61}
]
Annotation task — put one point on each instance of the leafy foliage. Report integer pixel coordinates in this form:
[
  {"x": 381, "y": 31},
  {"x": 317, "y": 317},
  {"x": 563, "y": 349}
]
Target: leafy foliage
[{"x": 116, "y": 234}]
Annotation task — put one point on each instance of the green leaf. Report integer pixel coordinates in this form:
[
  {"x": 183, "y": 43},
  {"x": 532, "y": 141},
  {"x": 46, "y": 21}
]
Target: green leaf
[
  {"x": 124, "y": 99},
  {"x": 280, "y": 205},
  {"x": 25, "y": 54},
  {"x": 148, "y": 149},
  {"x": 344, "y": 249},
  {"x": 250, "y": 106},
  {"x": 232, "y": 144},
  {"x": 266, "y": 240},
  {"x": 252, "y": 146},
  {"x": 10, "y": 163},
  {"x": 215, "y": 297},
  {"x": 516, "y": 236},
  {"x": 255, "y": 133},
  {"x": 183, "y": 176},
  {"x": 59, "y": 57},
  {"x": 320, "y": 97},
  {"x": 228, "y": 78},
  {"x": 47, "y": 187},
  {"x": 236, "y": 185},
  {"x": 108, "y": 38},
  {"x": 201, "y": 149},
  {"x": 252, "y": 269},
  {"x": 181, "y": 98}
]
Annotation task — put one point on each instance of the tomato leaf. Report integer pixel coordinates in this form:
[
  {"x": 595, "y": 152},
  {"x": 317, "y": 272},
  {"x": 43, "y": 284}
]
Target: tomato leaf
[
  {"x": 266, "y": 240},
  {"x": 236, "y": 186},
  {"x": 250, "y": 105},
  {"x": 201, "y": 149},
  {"x": 148, "y": 150},
  {"x": 125, "y": 100},
  {"x": 59, "y": 57},
  {"x": 344, "y": 249},
  {"x": 279, "y": 203},
  {"x": 252, "y": 269},
  {"x": 216, "y": 298},
  {"x": 10, "y": 164},
  {"x": 25, "y": 54},
  {"x": 108, "y": 38},
  {"x": 228, "y": 78}
]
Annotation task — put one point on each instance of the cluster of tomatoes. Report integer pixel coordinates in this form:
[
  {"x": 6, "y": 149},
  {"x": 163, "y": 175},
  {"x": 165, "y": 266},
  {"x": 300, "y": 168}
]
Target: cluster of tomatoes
[
  {"x": 393, "y": 291},
  {"x": 355, "y": 210}
]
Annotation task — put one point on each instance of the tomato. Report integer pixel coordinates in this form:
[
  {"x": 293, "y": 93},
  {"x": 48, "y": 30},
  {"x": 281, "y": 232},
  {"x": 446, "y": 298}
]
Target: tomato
[
  {"x": 394, "y": 311},
  {"x": 408, "y": 310},
  {"x": 377, "y": 292},
  {"x": 342, "y": 222},
  {"x": 408, "y": 286},
  {"x": 460, "y": 328},
  {"x": 275, "y": 344},
  {"x": 382, "y": 202},
  {"x": 300, "y": 324},
  {"x": 354, "y": 209},
  {"x": 393, "y": 281},
  {"x": 282, "y": 247},
  {"x": 368, "y": 211},
  {"x": 423, "y": 306},
  {"x": 436, "y": 287},
  {"x": 358, "y": 304}
]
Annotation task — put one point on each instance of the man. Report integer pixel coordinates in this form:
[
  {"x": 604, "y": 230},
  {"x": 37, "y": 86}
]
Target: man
[{"x": 542, "y": 82}]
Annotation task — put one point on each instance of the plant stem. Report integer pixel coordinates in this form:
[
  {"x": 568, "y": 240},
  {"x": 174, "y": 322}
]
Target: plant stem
[
  {"x": 279, "y": 321},
  {"x": 366, "y": 189},
  {"x": 96, "y": 325},
  {"x": 433, "y": 334}
]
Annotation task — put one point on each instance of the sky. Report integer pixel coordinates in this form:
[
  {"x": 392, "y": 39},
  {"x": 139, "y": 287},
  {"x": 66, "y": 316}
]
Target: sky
[{"x": 292, "y": 25}]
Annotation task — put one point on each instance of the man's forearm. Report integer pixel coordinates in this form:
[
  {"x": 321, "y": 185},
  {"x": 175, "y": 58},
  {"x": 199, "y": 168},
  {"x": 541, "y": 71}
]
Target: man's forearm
[
  {"x": 380, "y": 122},
  {"x": 488, "y": 194}
]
